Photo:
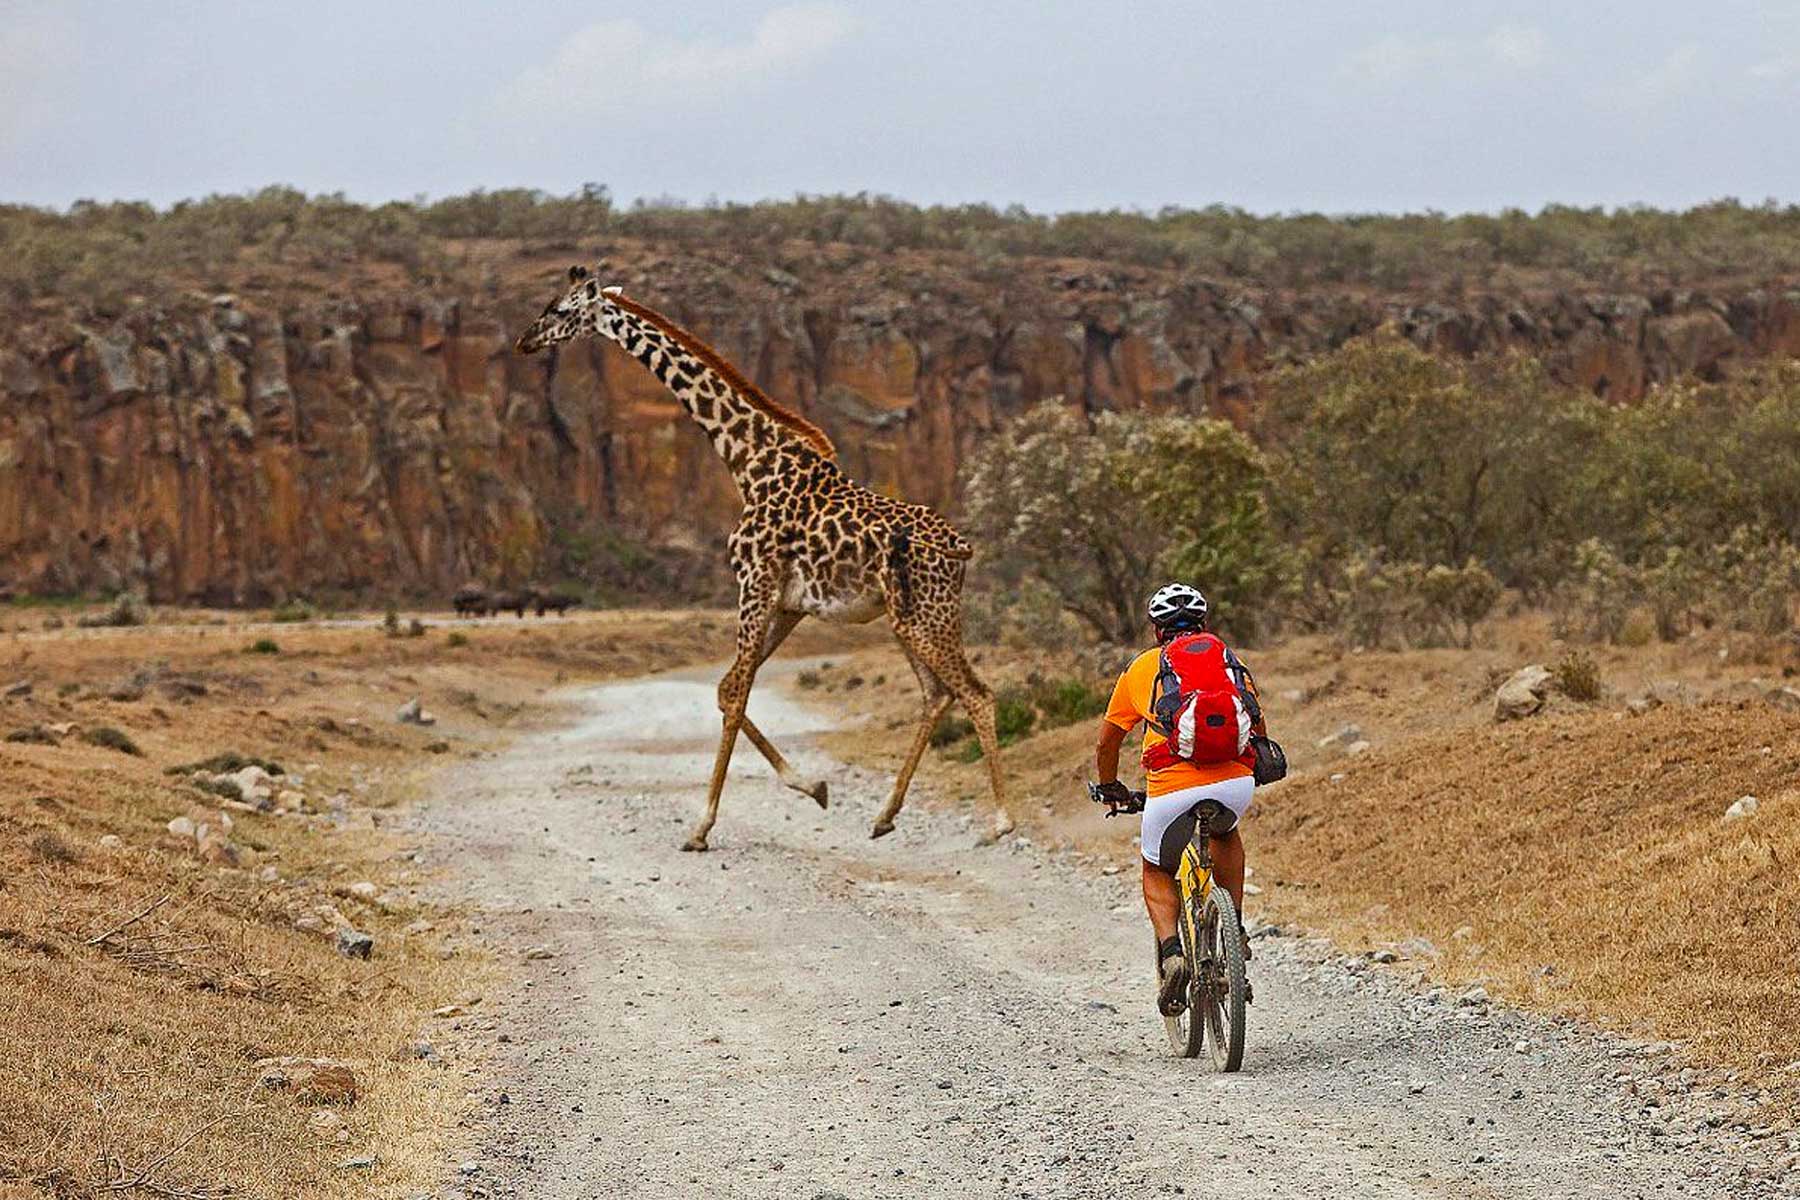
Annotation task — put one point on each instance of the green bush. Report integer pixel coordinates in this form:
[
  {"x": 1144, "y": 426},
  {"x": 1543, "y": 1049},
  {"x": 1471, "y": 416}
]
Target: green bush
[
  {"x": 456, "y": 639},
  {"x": 263, "y": 646},
  {"x": 1013, "y": 716},
  {"x": 292, "y": 612},
  {"x": 1137, "y": 498},
  {"x": 1066, "y": 701}
]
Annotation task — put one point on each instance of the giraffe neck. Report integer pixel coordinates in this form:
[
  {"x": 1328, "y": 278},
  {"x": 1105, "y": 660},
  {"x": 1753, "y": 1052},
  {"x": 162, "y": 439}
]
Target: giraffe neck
[{"x": 740, "y": 421}]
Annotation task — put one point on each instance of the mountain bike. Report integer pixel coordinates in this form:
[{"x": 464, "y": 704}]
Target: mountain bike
[{"x": 1212, "y": 1013}]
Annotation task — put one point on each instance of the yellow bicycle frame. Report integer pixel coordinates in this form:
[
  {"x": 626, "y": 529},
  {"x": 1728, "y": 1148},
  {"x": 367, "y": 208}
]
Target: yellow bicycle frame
[{"x": 1196, "y": 883}]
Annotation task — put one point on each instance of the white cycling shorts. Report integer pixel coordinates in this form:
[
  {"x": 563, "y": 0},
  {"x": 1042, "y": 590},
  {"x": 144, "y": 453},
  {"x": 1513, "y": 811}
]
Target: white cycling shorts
[{"x": 1160, "y": 812}]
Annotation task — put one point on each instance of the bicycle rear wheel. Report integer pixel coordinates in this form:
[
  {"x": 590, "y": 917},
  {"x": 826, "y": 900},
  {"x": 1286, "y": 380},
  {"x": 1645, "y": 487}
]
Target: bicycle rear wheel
[{"x": 1219, "y": 986}]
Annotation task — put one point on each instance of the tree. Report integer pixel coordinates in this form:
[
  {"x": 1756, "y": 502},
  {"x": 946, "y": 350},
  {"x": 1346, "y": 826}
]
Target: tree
[
  {"x": 1383, "y": 447},
  {"x": 1102, "y": 511}
]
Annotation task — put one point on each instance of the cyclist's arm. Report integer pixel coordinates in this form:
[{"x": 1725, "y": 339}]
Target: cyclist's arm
[
  {"x": 1120, "y": 719},
  {"x": 1106, "y": 754}
]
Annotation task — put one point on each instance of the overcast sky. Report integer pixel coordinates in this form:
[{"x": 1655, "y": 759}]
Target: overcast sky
[{"x": 1333, "y": 106}]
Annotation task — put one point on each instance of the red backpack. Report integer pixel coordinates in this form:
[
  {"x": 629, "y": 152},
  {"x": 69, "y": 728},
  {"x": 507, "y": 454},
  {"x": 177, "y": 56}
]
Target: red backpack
[{"x": 1200, "y": 705}]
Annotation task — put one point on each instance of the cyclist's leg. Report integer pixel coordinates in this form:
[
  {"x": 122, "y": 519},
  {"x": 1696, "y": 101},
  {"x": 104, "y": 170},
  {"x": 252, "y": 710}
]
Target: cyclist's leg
[
  {"x": 1228, "y": 863},
  {"x": 1168, "y": 822},
  {"x": 1162, "y": 899},
  {"x": 1228, "y": 848}
]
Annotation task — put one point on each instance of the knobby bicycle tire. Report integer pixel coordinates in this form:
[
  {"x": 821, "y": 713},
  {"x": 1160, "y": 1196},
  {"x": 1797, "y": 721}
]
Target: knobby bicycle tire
[{"x": 1221, "y": 994}]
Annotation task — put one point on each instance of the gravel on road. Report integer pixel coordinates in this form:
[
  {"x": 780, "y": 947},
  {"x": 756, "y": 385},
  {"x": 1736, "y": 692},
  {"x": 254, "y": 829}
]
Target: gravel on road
[{"x": 803, "y": 1012}]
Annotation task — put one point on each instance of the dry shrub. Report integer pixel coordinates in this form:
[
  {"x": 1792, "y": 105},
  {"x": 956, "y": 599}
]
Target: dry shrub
[
  {"x": 48, "y": 847},
  {"x": 126, "y": 610},
  {"x": 1577, "y": 676},
  {"x": 111, "y": 739}
]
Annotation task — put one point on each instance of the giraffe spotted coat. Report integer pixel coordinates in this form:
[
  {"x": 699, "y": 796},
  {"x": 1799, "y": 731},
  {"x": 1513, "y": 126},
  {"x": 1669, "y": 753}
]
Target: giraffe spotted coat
[{"x": 811, "y": 541}]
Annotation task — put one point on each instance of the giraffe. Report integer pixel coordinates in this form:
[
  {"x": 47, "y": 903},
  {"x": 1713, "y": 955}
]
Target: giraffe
[{"x": 810, "y": 542}]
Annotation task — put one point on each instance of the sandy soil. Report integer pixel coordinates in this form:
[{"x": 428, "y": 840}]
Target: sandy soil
[
  {"x": 139, "y": 1049},
  {"x": 802, "y": 1012}
]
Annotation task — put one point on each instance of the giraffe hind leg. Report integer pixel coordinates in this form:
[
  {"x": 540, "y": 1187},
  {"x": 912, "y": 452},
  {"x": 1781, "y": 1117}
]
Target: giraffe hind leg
[
  {"x": 937, "y": 701},
  {"x": 943, "y": 657}
]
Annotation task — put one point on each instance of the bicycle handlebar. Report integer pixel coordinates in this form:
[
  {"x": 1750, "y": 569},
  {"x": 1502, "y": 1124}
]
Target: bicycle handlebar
[{"x": 1115, "y": 807}]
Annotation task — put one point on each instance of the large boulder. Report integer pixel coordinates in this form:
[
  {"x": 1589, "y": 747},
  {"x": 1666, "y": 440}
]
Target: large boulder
[{"x": 1523, "y": 695}]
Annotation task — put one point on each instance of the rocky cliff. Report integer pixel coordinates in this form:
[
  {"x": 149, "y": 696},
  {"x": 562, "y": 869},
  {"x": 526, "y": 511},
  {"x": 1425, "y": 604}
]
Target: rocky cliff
[{"x": 241, "y": 448}]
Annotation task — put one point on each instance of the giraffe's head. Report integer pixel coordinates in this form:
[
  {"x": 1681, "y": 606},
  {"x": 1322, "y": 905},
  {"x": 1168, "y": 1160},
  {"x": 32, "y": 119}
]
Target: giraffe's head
[{"x": 575, "y": 312}]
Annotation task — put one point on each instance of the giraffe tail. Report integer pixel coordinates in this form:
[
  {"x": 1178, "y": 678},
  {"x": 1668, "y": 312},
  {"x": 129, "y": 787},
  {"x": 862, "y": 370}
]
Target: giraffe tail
[{"x": 899, "y": 568}]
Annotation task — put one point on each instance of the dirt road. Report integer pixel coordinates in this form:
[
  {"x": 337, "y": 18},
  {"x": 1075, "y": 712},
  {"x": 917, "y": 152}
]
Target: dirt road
[{"x": 804, "y": 1012}]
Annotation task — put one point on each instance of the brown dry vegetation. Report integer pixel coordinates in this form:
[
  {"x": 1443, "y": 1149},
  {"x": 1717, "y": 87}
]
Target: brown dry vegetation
[
  {"x": 130, "y": 1057},
  {"x": 1585, "y": 840}
]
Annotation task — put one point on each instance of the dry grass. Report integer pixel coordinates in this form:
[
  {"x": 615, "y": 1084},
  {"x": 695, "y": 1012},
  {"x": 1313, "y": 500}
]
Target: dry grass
[
  {"x": 1578, "y": 863},
  {"x": 139, "y": 982},
  {"x": 1584, "y": 840}
]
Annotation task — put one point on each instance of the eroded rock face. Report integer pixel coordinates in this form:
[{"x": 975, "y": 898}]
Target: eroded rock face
[{"x": 238, "y": 451}]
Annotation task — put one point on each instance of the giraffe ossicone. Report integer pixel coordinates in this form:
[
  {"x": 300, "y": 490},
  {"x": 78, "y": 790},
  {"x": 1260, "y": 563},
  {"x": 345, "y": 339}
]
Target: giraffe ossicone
[{"x": 811, "y": 541}]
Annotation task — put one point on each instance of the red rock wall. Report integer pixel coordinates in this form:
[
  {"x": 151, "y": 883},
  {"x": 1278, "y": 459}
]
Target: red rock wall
[{"x": 245, "y": 450}]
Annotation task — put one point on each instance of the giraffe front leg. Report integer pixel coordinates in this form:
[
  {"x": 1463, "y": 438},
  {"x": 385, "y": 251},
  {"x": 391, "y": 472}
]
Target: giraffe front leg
[
  {"x": 721, "y": 764},
  {"x": 756, "y": 618},
  {"x": 816, "y": 788}
]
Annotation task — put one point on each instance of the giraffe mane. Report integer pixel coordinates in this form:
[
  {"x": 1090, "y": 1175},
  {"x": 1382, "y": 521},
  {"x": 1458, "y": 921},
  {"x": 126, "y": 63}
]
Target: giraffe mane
[{"x": 804, "y": 429}]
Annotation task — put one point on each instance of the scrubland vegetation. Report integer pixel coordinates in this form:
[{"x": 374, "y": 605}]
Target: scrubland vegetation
[
  {"x": 108, "y": 249},
  {"x": 1393, "y": 496}
]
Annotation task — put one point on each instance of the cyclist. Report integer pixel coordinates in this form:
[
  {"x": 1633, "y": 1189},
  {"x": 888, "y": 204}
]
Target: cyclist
[{"x": 1172, "y": 790}]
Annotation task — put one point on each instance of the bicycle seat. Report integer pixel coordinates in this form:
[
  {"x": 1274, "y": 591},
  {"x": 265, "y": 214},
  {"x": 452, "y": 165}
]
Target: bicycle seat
[
  {"x": 1213, "y": 818},
  {"x": 1205, "y": 818}
]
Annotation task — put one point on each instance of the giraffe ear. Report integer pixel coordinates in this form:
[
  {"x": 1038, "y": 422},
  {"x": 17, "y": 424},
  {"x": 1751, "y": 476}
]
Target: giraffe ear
[
  {"x": 615, "y": 290},
  {"x": 577, "y": 274}
]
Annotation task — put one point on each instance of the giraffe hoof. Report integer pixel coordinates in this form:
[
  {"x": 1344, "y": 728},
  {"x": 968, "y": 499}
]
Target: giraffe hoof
[
  {"x": 820, "y": 791},
  {"x": 881, "y": 830},
  {"x": 696, "y": 844}
]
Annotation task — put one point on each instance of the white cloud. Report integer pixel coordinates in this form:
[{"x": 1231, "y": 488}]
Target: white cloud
[
  {"x": 617, "y": 65},
  {"x": 1397, "y": 58},
  {"x": 1519, "y": 46},
  {"x": 1776, "y": 70},
  {"x": 1681, "y": 71}
]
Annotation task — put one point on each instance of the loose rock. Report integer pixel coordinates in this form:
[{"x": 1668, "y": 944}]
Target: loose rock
[
  {"x": 354, "y": 943},
  {"x": 412, "y": 713},
  {"x": 1523, "y": 695}
]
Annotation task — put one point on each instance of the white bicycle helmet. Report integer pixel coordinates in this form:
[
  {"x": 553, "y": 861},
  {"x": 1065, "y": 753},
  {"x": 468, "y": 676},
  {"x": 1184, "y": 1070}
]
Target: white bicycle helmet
[{"x": 1176, "y": 606}]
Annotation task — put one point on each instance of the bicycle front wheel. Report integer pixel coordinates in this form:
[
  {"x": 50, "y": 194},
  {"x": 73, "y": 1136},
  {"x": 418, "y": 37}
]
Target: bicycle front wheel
[{"x": 1220, "y": 984}]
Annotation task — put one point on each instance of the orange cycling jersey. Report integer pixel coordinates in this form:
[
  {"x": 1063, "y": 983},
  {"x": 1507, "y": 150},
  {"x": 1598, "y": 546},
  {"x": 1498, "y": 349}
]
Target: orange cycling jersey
[{"x": 1131, "y": 701}]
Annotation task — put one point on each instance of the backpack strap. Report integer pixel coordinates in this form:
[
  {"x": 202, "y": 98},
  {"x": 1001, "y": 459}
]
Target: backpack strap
[
  {"x": 1165, "y": 697},
  {"x": 1240, "y": 675}
]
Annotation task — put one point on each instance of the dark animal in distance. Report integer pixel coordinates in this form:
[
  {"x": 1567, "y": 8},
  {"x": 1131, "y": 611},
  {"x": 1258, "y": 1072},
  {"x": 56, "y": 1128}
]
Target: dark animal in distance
[
  {"x": 513, "y": 602},
  {"x": 470, "y": 601},
  {"x": 556, "y": 603}
]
